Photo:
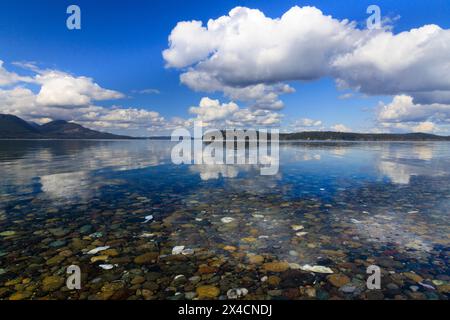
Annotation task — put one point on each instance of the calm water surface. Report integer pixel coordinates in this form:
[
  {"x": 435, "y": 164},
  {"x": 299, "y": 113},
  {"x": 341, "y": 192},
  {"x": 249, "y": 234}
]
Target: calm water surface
[{"x": 340, "y": 205}]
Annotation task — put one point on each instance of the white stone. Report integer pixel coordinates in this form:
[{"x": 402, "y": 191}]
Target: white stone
[
  {"x": 316, "y": 269},
  {"x": 107, "y": 266},
  {"x": 187, "y": 252},
  {"x": 295, "y": 266},
  {"x": 237, "y": 293},
  {"x": 177, "y": 250},
  {"x": 148, "y": 219},
  {"x": 147, "y": 235},
  {"x": 98, "y": 249},
  {"x": 227, "y": 220}
]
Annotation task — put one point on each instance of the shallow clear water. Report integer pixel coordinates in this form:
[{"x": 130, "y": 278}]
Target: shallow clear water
[{"x": 358, "y": 204}]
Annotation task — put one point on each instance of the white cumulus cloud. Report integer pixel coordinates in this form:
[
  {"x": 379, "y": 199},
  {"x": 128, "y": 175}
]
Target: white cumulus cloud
[
  {"x": 62, "y": 96},
  {"x": 403, "y": 114},
  {"x": 251, "y": 57},
  {"x": 220, "y": 115},
  {"x": 415, "y": 62},
  {"x": 10, "y": 78},
  {"x": 341, "y": 128},
  {"x": 64, "y": 90},
  {"x": 245, "y": 48}
]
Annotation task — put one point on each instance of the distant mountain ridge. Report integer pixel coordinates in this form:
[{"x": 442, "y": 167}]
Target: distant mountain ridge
[
  {"x": 343, "y": 136},
  {"x": 13, "y": 127},
  {"x": 349, "y": 136}
]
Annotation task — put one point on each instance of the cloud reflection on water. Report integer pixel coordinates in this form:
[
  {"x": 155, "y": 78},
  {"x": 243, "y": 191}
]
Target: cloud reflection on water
[{"x": 67, "y": 169}]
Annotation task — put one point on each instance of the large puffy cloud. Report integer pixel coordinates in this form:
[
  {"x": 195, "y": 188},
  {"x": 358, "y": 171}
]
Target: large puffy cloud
[
  {"x": 250, "y": 57},
  {"x": 18, "y": 100},
  {"x": 66, "y": 97},
  {"x": 215, "y": 114},
  {"x": 415, "y": 62},
  {"x": 64, "y": 90},
  {"x": 246, "y": 50},
  {"x": 246, "y": 47},
  {"x": 405, "y": 115},
  {"x": 211, "y": 110},
  {"x": 57, "y": 89},
  {"x": 403, "y": 109},
  {"x": 121, "y": 118},
  {"x": 23, "y": 103}
]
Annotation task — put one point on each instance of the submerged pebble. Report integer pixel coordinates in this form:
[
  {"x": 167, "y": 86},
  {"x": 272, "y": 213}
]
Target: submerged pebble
[
  {"x": 177, "y": 250},
  {"x": 237, "y": 293},
  {"x": 98, "y": 249},
  {"x": 317, "y": 269}
]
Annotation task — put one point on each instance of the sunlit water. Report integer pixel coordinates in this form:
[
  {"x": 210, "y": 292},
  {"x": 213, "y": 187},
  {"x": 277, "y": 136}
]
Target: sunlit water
[{"x": 358, "y": 204}]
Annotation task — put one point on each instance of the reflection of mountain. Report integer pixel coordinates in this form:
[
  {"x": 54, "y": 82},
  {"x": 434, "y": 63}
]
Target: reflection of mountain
[
  {"x": 68, "y": 169},
  {"x": 12, "y": 127},
  {"x": 55, "y": 167}
]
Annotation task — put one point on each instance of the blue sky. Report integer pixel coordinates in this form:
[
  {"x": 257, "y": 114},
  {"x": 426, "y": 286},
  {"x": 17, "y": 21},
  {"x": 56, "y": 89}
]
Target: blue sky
[{"x": 120, "y": 47}]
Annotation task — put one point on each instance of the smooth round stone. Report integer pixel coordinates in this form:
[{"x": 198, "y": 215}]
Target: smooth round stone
[
  {"x": 278, "y": 266},
  {"x": 392, "y": 286},
  {"x": 8, "y": 233},
  {"x": 195, "y": 279},
  {"x": 338, "y": 280},
  {"x": 20, "y": 295},
  {"x": 52, "y": 283},
  {"x": 237, "y": 293},
  {"x": 255, "y": 259},
  {"x": 273, "y": 280},
  {"x": 274, "y": 293},
  {"x": 179, "y": 280},
  {"x": 207, "y": 292},
  {"x": 85, "y": 229},
  {"x": 146, "y": 258},
  {"x": 414, "y": 288},
  {"x": 57, "y": 243},
  {"x": 432, "y": 296},
  {"x": 138, "y": 280},
  {"x": 348, "y": 289}
]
